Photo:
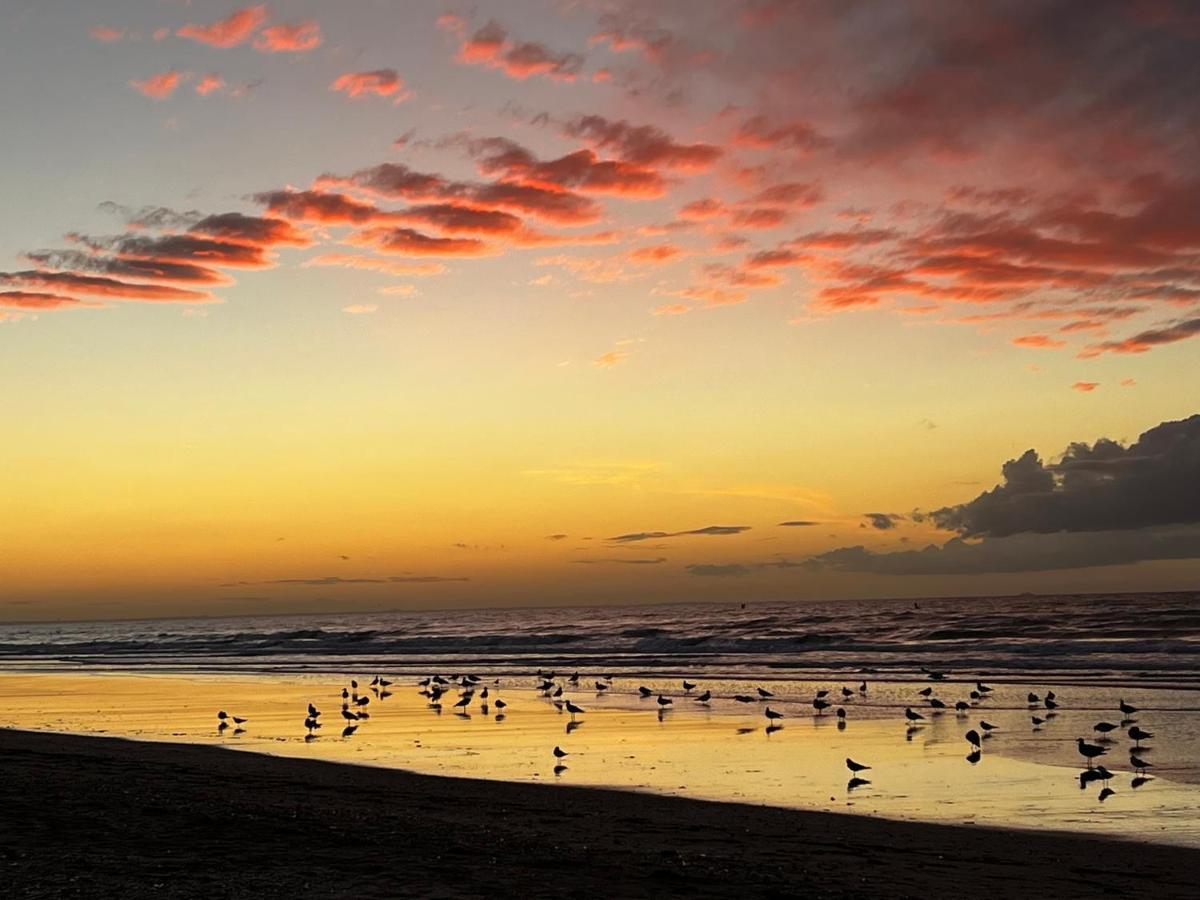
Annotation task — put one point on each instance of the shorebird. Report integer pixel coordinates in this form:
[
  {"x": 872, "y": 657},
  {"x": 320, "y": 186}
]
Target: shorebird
[
  {"x": 687, "y": 685},
  {"x": 820, "y": 706},
  {"x": 349, "y": 730},
  {"x": 559, "y": 752},
  {"x": 349, "y": 716},
  {"x": 238, "y": 720},
  {"x": 463, "y": 702},
  {"x": 1105, "y": 727},
  {"x": 704, "y": 698},
  {"x": 1050, "y": 704},
  {"x": 935, "y": 703},
  {"x": 1033, "y": 699},
  {"x": 987, "y": 727},
  {"x": 1106, "y": 793},
  {"x": 500, "y": 704},
  {"x": 345, "y": 694},
  {"x": 925, "y": 692},
  {"x": 846, "y": 693},
  {"x": 855, "y": 767},
  {"x": 664, "y": 702},
  {"x": 645, "y": 691},
  {"x": 1138, "y": 735},
  {"x": 765, "y": 694},
  {"x": 771, "y": 714},
  {"x": 362, "y": 701},
  {"x": 1050, "y": 695},
  {"x": 1126, "y": 708},
  {"x": 912, "y": 716},
  {"x": 961, "y": 707},
  {"x": 601, "y": 687},
  {"x": 841, "y": 714},
  {"x": 573, "y": 709},
  {"x": 862, "y": 688},
  {"x": 574, "y": 679},
  {"x": 982, "y": 688},
  {"x": 742, "y": 698},
  {"x": 222, "y": 715},
  {"x": 483, "y": 695},
  {"x": 1089, "y": 751},
  {"x": 1139, "y": 765},
  {"x": 1038, "y": 721},
  {"x": 973, "y": 738}
]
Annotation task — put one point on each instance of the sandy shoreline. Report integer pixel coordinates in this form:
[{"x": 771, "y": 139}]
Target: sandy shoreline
[{"x": 92, "y": 816}]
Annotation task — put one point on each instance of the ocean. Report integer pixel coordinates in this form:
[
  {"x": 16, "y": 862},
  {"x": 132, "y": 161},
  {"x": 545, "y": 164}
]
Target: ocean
[{"x": 1146, "y": 639}]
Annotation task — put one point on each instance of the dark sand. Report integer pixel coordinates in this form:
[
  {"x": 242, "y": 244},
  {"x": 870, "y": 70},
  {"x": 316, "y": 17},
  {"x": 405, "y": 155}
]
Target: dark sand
[{"x": 102, "y": 817}]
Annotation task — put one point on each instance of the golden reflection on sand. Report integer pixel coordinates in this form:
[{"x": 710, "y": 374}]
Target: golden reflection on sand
[{"x": 689, "y": 750}]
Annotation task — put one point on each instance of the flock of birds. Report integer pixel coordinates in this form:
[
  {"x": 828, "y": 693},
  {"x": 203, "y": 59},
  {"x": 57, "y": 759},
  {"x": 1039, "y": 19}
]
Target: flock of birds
[{"x": 471, "y": 690}]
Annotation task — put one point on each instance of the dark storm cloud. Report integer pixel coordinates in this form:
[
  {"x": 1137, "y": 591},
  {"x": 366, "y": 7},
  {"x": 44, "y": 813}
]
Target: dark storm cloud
[
  {"x": 1099, "y": 487},
  {"x": 882, "y": 521},
  {"x": 656, "y": 535},
  {"x": 1018, "y": 553}
]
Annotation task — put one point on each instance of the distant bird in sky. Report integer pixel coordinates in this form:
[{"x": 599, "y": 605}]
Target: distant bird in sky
[{"x": 855, "y": 766}]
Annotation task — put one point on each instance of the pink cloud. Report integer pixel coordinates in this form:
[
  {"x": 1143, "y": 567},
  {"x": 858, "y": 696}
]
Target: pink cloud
[
  {"x": 106, "y": 35},
  {"x": 209, "y": 84},
  {"x": 380, "y": 82},
  {"x": 160, "y": 85},
  {"x": 294, "y": 38},
  {"x": 227, "y": 32}
]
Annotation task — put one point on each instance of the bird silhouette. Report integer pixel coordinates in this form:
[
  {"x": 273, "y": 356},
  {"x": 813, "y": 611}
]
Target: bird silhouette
[
  {"x": 1126, "y": 708},
  {"x": 687, "y": 685},
  {"x": 1106, "y": 793},
  {"x": 1139, "y": 735},
  {"x": 704, "y": 698},
  {"x": 1089, "y": 751},
  {"x": 855, "y": 766},
  {"x": 573, "y": 709},
  {"x": 973, "y": 738},
  {"x": 1139, "y": 765},
  {"x": 559, "y": 752},
  {"x": 764, "y": 694},
  {"x": 913, "y": 716},
  {"x": 349, "y": 730},
  {"x": 772, "y": 714}
]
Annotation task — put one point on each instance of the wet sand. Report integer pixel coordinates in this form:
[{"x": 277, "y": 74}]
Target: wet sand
[{"x": 94, "y": 816}]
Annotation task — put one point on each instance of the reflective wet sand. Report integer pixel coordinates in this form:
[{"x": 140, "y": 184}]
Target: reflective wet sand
[{"x": 1024, "y": 779}]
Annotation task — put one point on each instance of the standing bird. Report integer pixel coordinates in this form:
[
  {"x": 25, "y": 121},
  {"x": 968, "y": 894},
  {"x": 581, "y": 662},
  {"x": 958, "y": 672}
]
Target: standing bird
[
  {"x": 855, "y": 767},
  {"x": 1032, "y": 699},
  {"x": 987, "y": 727},
  {"x": 573, "y": 709},
  {"x": 1089, "y": 751},
  {"x": 704, "y": 698},
  {"x": 1126, "y": 708},
  {"x": 500, "y": 704},
  {"x": 767, "y": 694},
  {"x": 559, "y": 752},
  {"x": 820, "y": 706},
  {"x": 925, "y": 692},
  {"x": 645, "y": 691},
  {"x": 772, "y": 715},
  {"x": 601, "y": 687},
  {"x": 1138, "y": 735},
  {"x": 1104, "y": 727},
  {"x": 664, "y": 702},
  {"x": 935, "y": 703},
  {"x": 687, "y": 685},
  {"x": 912, "y": 716},
  {"x": 862, "y": 688},
  {"x": 961, "y": 707},
  {"x": 1139, "y": 765},
  {"x": 974, "y": 739}
]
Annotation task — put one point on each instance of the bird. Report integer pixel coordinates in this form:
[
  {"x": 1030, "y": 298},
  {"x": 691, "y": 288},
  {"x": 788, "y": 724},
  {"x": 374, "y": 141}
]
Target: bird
[
  {"x": 463, "y": 702},
  {"x": 1037, "y": 721},
  {"x": 862, "y": 688},
  {"x": 961, "y": 707},
  {"x": 925, "y": 692},
  {"x": 645, "y": 691},
  {"x": 239, "y": 720},
  {"x": 349, "y": 730},
  {"x": 687, "y": 685},
  {"x": 1126, "y": 708},
  {"x": 982, "y": 688},
  {"x": 820, "y": 705},
  {"x": 601, "y": 687},
  {"x": 313, "y": 712},
  {"x": 1050, "y": 695},
  {"x": 222, "y": 715},
  {"x": 704, "y": 698},
  {"x": 1089, "y": 751},
  {"x": 1138, "y": 735},
  {"x": 1032, "y": 699},
  {"x": 1139, "y": 765},
  {"x": 912, "y": 716},
  {"x": 500, "y": 704},
  {"x": 841, "y": 714},
  {"x": 846, "y": 693},
  {"x": 987, "y": 727},
  {"x": 573, "y": 709},
  {"x": 1050, "y": 704},
  {"x": 1104, "y": 727},
  {"x": 823, "y": 694},
  {"x": 559, "y": 752},
  {"x": 765, "y": 694},
  {"x": 935, "y": 703},
  {"x": 973, "y": 738},
  {"x": 483, "y": 695},
  {"x": 742, "y": 698},
  {"x": 772, "y": 714},
  {"x": 855, "y": 767},
  {"x": 664, "y": 702},
  {"x": 349, "y": 716},
  {"x": 1106, "y": 793}
]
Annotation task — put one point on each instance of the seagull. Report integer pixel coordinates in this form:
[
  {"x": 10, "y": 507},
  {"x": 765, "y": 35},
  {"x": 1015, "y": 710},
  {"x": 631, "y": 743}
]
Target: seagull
[
  {"x": 765, "y": 694},
  {"x": 961, "y": 707},
  {"x": 1139, "y": 765},
  {"x": 771, "y": 714},
  {"x": 687, "y": 685},
  {"x": 664, "y": 702},
  {"x": 601, "y": 687},
  {"x": 1089, "y": 751},
  {"x": 704, "y": 698},
  {"x": 912, "y": 716},
  {"x": 1105, "y": 727},
  {"x": 973, "y": 738},
  {"x": 820, "y": 705},
  {"x": 572, "y": 709},
  {"x": 559, "y": 752},
  {"x": 1138, "y": 735},
  {"x": 986, "y": 726},
  {"x": 645, "y": 691},
  {"x": 855, "y": 767},
  {"x": 349, "y": 730},
  {"x": 1037, "y": 721},
  {"x": 1126, "y": 708}
]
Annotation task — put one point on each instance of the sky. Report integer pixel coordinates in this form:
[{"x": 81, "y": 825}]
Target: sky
[{"x": 366, "y": 305}]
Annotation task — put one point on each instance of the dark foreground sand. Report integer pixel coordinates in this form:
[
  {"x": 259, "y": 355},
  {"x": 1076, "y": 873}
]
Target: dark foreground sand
[{"x": 100, "y": 817}]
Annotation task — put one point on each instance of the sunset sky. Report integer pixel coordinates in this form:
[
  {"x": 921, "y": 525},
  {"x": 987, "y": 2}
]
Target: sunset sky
[{"x": 359, "y": 305}]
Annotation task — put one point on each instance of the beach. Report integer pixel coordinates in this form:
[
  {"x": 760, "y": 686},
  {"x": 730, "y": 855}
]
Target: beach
[{"x": 108, "y": 817}]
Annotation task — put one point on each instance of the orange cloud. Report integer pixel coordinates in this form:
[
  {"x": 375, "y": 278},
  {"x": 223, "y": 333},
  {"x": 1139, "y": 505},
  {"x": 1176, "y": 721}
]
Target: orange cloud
[
  {"x": 37, "y": 300},
  {"x": 99, "y": 286},
  {"x": 319, "y": 206},
  {"x": 1085, "y": 387},
  {"x": 106, "y": 35},
  {"x": 582, "y": 170},
  {"x": 294, "y": 38},
  {"x": 1146, "y": 340},
  {"x": 227, "y": 32},
  {"x": 658, "y": 253},
  {"x": 374, "y": 264},
  {"x": 490, "y": 46},
  {"x": 208, "y": 84},
  {"x": 409, "y": 242},
  {"x": 1040, "y": 341},
  {"x": 643, "y": 144},
  {"x": 160, "y": 85},
  {"x": 380, "y": 82},
  {"x": 611, "y": 358}
]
